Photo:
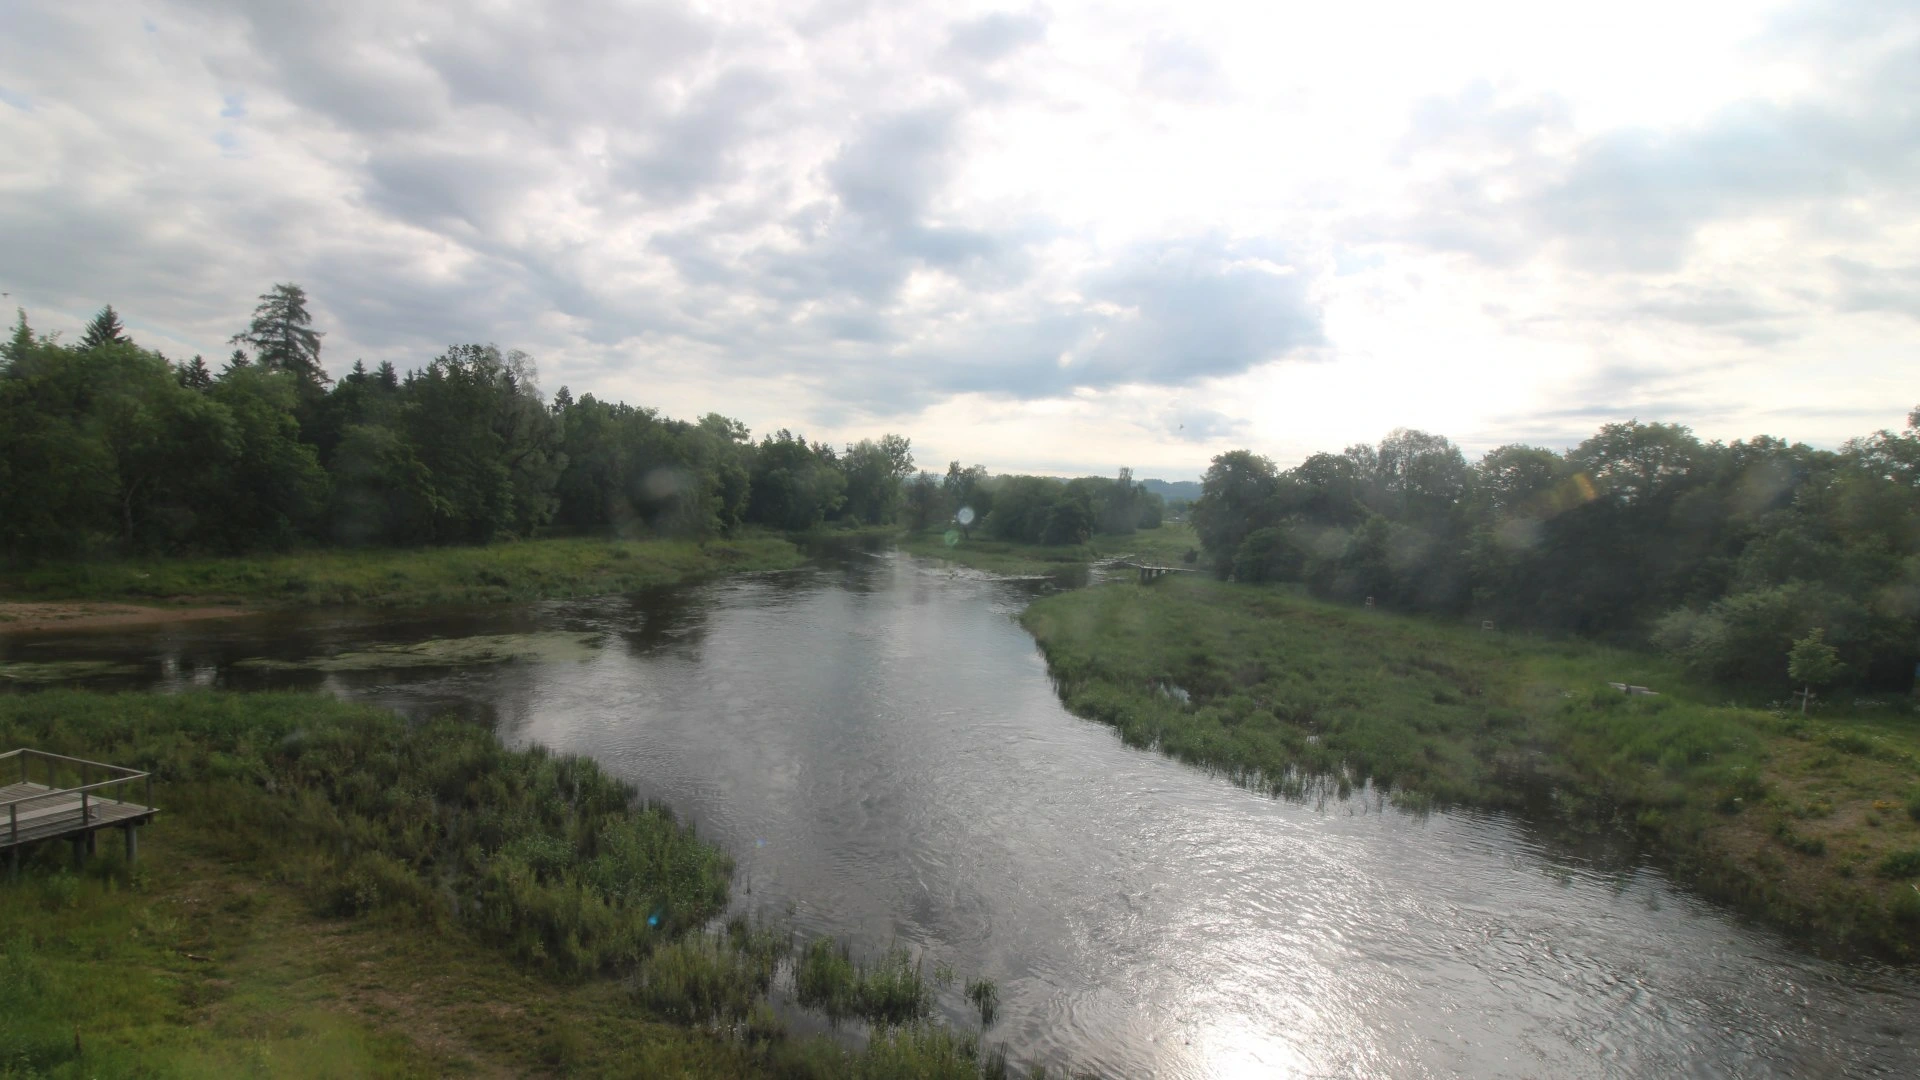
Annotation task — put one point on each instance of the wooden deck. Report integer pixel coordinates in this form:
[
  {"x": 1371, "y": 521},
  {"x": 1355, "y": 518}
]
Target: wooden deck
[
  {"x": 61, "y": 813},
  {"x": 78, "y": 799},
  {"x": 1148, "y": 574}
]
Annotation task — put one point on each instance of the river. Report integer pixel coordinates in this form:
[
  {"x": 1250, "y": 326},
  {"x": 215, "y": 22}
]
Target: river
[{"x": 876, "y": 741}]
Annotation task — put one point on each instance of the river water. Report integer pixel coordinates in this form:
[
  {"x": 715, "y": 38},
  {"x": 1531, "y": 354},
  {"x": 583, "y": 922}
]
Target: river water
[{"x": 876, "y": 741}]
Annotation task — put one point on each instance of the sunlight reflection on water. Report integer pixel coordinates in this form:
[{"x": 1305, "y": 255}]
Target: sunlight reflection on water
[{"x": 878, "y": 745}]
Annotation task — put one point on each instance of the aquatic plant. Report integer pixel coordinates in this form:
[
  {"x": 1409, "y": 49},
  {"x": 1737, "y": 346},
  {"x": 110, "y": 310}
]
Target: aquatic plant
[
  {"x": 888, "y": 990},
  {"x": 985, "y": 996}
]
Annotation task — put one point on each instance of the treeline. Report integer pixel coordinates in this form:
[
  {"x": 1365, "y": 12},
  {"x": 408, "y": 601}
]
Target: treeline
[
  {"x": 1031, "y": 509},
  {"x": 1724, "y": 554},
  {"x": 108, "y": 446}
]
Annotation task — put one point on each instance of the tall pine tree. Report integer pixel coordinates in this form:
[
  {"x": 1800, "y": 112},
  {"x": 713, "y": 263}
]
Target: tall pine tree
[
  {"x": 283, "y": 337},
  {"x": 194, "y": 374},
  {"x": 105, "y": 329}
]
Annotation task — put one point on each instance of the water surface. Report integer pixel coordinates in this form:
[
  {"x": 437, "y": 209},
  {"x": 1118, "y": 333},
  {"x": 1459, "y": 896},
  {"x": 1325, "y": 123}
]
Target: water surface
[{"x": 876, "y": 741}]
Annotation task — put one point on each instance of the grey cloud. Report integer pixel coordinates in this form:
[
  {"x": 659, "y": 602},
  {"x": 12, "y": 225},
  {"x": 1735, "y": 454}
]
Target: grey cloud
[
  {"x": 895, "y": 167},
  {"x": 859, "y": 248},
  {"x": 1740, "y": 313},
  {"x": 1634, "y": 200},
  {"x": 324, "y": 59},
  {"x": 994, "y": 36},
  {"x": 595, "y": 61},
  {"x": 1203, "y": 425},
  {"x": 1864, "y": 286},
  {"x": 1170, "y": 315},
  {"x": 489, "y": 148},
  {"x": 432, "y": 187}
]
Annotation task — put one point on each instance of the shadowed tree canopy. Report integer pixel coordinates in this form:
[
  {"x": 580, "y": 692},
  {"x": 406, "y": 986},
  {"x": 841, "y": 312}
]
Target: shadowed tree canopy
[{"x": 1724, "y": 554}]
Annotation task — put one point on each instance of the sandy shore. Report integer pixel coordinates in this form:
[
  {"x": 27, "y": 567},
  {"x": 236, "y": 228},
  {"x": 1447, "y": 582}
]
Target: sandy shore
[{"x": 27, "y": 618}]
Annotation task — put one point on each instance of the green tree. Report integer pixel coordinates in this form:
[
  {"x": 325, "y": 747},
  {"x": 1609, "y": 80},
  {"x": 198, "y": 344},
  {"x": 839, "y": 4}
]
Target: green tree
[
  {"x": 475, "y": 419},
  {"x": 875, "y": 474},
  {"x": 968, "y": 494},
  {"x": 194, "y": 375},
  {"x": 20, "y": 341},
  {"x": 1238, "y": 493},
  {"x": 926, "y": 503},
  {"x": 1812, "y": 662},
  {"x": 105, "y": 329},
  {"x": 794, "y": 485},
  {"x": 282, "y": 336},
  {"x": 1268, "y": 555}
]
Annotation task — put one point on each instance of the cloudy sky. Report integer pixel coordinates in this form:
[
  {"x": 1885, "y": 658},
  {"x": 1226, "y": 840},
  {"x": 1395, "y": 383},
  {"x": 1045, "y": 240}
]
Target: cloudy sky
[{"x": 1060, "y": 237}]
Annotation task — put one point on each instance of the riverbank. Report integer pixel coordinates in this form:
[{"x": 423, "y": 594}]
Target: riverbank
[
  {"x": 1164, "y": 546},
  {"x": 328, "y": 892},
  {"x": 43, "y": 597},
  {"x": 18, "y": 618},
  {"x": 1812, "y": 823}
]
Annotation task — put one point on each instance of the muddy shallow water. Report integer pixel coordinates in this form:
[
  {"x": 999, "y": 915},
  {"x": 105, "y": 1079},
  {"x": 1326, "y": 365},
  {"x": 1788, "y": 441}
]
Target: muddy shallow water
[{"x": 876, "y": 741}]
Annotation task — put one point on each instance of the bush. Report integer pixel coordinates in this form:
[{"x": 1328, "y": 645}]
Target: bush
[
  {"x": 544, "y": 855},
  {"x": 1268, "y": 555},
  {"x": 1901, "y": 865}
]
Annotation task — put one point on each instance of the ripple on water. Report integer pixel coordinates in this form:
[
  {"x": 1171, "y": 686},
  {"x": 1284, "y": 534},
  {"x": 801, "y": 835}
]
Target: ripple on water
[{"x": 882, "y": 752}]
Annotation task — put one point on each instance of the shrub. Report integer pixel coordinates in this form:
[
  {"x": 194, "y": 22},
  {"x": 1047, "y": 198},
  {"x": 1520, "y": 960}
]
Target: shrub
[
  {"x": 699, "y": 979},
  {"x": 1268, "y": 555},
  {"x": 1901, "y": 865}
]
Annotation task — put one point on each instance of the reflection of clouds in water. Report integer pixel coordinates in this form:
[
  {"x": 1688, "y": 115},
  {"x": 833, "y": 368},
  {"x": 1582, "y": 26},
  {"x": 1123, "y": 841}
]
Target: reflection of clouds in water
[{"x": 880, "y": 749}]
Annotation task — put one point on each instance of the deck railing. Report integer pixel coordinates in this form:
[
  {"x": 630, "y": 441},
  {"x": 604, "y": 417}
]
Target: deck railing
[{"x": 56, "y": 768}]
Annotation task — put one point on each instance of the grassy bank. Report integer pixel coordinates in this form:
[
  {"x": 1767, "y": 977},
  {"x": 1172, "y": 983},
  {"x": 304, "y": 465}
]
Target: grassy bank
[
  {"x": 1163, "y": 546},
  {"x": 328, "y": 892},
  {"x": 527, "y": 570},
  {"x": 1814, "y": 823}
]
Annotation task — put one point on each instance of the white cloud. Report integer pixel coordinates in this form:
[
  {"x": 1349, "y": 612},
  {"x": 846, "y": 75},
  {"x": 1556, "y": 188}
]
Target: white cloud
[{"x": 1055, "y": 236}]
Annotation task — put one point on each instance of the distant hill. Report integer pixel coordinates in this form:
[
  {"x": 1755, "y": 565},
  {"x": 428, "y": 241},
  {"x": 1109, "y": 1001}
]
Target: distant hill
[{"x": 1174, "y": 490}]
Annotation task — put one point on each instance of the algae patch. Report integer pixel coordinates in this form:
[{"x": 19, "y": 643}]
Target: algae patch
[
  {"x": 64, "y": 670},
  {"x": 540, "y": 648}
]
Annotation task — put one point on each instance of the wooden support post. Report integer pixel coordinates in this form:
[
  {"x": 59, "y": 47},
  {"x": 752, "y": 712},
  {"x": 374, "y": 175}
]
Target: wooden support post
[
  {"x": 93, "y": 844},
  {"x": 13, "y": 863},
  {"x": 133, "y": 844},
  {"x": 79, "y": 853}
]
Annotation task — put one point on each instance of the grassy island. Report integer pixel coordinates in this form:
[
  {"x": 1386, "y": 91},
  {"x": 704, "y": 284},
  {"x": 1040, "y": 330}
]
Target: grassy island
[
  {"x": 1166, "y": 546},
  {"x": 1811, "y": 822}
]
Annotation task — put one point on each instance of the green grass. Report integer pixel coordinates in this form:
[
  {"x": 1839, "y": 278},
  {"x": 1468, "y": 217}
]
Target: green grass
[
  {"x": 1784, "y": 816},
  {"x": 331, "y": 892},
  {"x": 1164, "y": 546},
  {"x": 525, "y": 570}
]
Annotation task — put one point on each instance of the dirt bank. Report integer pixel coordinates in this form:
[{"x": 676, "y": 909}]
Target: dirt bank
[{"x": 29, "y": 618}]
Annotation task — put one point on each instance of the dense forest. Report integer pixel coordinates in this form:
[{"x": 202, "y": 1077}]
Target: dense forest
[
  {"x": 1725, "y": 554},
  {"x": 107, "y": 447}
]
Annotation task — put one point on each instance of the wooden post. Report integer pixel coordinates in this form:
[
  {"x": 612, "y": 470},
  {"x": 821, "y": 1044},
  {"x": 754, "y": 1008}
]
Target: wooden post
[
  {"x": 13, "y": 863},
  {"x": 133, "y": 844},
  {"x": 92, "y": 841},
  {"x": 79, "y": 853}
]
